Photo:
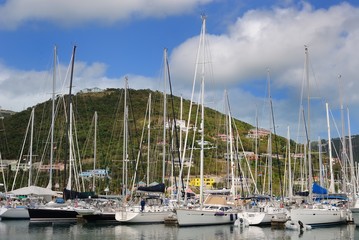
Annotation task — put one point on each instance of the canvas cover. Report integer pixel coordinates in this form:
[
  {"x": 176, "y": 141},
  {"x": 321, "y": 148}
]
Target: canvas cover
[{"x": 33, "y": 190}]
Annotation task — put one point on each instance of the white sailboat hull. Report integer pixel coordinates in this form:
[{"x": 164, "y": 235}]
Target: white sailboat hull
[
  {"x": 260, "y": 218},
  {"x": 253, "y": 218},
  {"x": 318, "y": 217},
  {"x": 196, "y": 217},
  {"x": 14, "y": 213},
  {"x": 135, "y": 216}
]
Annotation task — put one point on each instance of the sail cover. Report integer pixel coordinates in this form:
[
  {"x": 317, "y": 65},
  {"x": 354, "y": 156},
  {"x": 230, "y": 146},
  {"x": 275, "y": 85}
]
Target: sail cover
[
  {"x": 317, "y": 189},
  {"x": 155, "y": 188},
  {"x": 71, "y": 194},
  {"x": 34, "y": 190}
]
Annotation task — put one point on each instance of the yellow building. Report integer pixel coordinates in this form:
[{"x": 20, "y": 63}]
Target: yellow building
[{"x": 196, "y": 182}]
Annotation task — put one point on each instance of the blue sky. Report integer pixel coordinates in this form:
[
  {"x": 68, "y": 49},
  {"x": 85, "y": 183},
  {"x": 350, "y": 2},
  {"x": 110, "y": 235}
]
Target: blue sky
[{"x": 126, "y": 38}]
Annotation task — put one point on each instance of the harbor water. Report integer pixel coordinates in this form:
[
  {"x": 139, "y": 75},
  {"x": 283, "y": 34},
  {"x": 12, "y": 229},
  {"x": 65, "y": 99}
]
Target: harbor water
[{"x": 25, "y": 230}]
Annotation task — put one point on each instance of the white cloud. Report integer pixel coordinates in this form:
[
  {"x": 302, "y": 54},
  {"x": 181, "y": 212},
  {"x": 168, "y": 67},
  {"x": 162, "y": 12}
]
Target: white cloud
[
  {"x": 240, "y": 56},
  {"x": 33, "y": 87},
  {"x": 275, "y": 39},
  {"x": 69, "y": 13}
]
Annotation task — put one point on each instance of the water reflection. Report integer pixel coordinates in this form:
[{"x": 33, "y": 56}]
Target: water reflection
[
  {"x": 42, "y": 230},
  {"x": 13, "y": 230},
  {"x": 251, "y": 232},
  {"x": 338, "y": 232},
  {"x": 204, "y": 233},
  {"x": 149, "y": 231}
]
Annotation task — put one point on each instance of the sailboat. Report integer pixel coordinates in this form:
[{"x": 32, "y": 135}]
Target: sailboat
[
  {"x": 264, "y": 209},
  {"x": 63, "y": 211},
  {"x": 20, "y": 211},
  {"x": 316, "y": 214},
  {"x": 147, "y": 202},
  {"x": 16, "y": 209},
  {"x": 149, "y": 210},
  {"x": 214, "y": 209},
  {"x": 101, "y": 210}
]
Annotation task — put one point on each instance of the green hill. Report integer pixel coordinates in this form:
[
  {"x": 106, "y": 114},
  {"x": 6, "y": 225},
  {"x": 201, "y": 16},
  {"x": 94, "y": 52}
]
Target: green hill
[{"x": 109, "y": 105}]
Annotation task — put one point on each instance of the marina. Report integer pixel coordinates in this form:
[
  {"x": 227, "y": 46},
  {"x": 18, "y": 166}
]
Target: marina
[{"x": 194, "y": 170}]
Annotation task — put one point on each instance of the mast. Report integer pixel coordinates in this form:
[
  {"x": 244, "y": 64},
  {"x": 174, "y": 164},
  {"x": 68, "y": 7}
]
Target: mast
[
  {"x": 351, "y": 158},
  {"x": 201, "y": 42},
  {"x": 310, "y": 174},
  {"x": 202, "y": 38},
  {"x": 148, "y": 140},
  {"x": 52, "y": 119},
  {"x": 304, "y": 169},
  {"x": 69, "y": 182},
  {"x": 270, "y": 139},
  {"x": 321, "y": 169},
  {"x": 3, "y": 175},
  {"x": 125, "y": 147},
  {"x": 344, "y": 155},
  {"x": 331, "y": 186},
  {"x": 174, "y": 131},
  {"x": 276, "y": 147},
  {"x": 69, "y": 116},
  {"x": 231, "y": 152},
  {"x": 256, "y": 150},
  {"x": 164, "y": 114},
  {"x": 290, "y": 189},
  {"x": 1, "y": 162},
  {"x": 31, "y": 143},
  {"x": 94, "y": 152},
  {"x": 181, "y": 119},
  {"x": 21, "y": 153}
]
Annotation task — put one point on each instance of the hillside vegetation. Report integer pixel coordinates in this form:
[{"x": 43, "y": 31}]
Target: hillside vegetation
[{"x": 109, "y": 106}]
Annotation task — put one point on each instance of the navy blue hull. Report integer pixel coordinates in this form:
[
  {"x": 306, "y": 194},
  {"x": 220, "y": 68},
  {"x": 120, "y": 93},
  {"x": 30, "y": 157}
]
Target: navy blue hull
[{"x": 52, "y": 215}]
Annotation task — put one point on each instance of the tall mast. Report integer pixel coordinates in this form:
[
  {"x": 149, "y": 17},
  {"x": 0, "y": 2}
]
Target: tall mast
[
  {"x": 52, "y": 119},
  {"x": 270, "y": 172},
  {"x": 69, "y": 182},
  {"x": 231, "y": 151},
  {"x": 148, "y": 140},
  {"x": 31, "y": 142},
  {"x": 125, "y": 132},
  {"x": 228, "y": 150},
  {"x": 344, "y": 155},
  {"x": 181, "y": 120},
  {"x": 202, "y": 111},
  {"x": 164, "y": 114},
  {"x": 331, "y": 186},
  {"x": 310, "y": 177},
  {"x": 94, "y": 152},
  {"x": 1, "y": 162},
  {"x": 69, "y": 116},
  {"x": 276, "y": 147},
  {"x": 256, "y": 150}
]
